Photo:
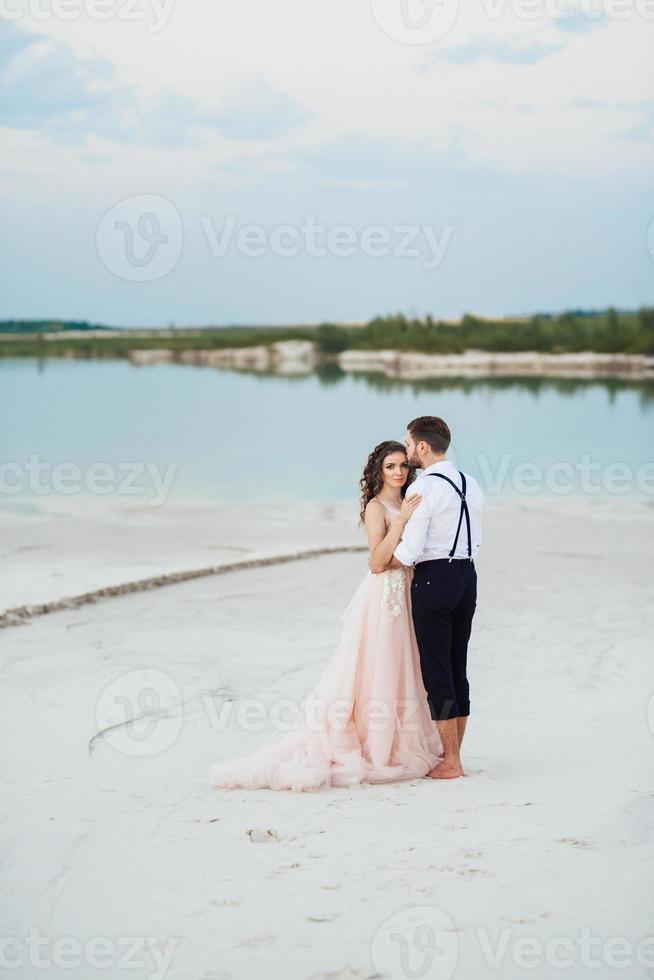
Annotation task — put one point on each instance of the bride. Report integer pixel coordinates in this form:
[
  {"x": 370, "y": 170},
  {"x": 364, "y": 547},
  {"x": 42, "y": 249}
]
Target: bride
[{"x": 367, "y": 720}]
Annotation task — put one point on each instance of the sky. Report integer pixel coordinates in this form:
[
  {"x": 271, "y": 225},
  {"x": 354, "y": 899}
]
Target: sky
[{"x": 196, "y": 162}]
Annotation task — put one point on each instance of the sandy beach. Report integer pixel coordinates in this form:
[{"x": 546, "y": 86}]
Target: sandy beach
[
  {"x": 534, "y": 864},
  {"x": 55, "y": 547}
]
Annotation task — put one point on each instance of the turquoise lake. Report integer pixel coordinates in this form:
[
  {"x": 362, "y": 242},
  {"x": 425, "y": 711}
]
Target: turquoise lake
[{"x": 241, "y": 436}]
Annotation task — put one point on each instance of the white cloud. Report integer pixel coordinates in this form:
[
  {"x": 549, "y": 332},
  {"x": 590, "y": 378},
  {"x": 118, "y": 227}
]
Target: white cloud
[{"x": 296, "y": 108}]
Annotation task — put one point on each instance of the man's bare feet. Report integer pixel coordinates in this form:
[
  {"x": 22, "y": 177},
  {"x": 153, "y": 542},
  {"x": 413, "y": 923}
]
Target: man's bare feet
[
  {"x": 446, "y": 770},
  {"x": 450, "y": 765}
]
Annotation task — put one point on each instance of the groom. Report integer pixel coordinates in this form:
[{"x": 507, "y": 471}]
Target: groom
[{"x": 441, "y": 539}]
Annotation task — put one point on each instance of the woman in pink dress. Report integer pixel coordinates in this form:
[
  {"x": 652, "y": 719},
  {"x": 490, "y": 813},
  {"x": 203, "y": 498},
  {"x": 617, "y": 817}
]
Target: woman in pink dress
[{"x": 367, "y": 720}]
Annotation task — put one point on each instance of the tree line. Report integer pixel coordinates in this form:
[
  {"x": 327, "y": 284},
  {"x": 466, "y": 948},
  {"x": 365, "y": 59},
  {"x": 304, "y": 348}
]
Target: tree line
[{"x": 609, "y": 331}]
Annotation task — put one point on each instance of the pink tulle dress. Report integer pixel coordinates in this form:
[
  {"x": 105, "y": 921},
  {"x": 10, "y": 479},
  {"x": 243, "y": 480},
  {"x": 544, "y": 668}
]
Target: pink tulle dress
[{"x": 367, "y": 720}]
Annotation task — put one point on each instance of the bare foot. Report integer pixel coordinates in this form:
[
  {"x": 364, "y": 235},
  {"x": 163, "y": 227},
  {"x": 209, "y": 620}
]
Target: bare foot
[{"x": 446, "y": 770}]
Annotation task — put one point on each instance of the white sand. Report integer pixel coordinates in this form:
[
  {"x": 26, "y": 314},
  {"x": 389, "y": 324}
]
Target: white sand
[
  {"x": 54, "y": 547},
  {"x": 546, "y": 838}
]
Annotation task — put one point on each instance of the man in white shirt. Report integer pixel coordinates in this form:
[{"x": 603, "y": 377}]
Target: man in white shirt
[{"x": 441, "y": 539}]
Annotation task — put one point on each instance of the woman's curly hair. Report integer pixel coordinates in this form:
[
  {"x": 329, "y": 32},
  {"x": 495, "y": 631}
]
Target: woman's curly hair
[{"x": 373, "y": 480}]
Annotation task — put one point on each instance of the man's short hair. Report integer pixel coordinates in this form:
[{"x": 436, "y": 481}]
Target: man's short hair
[{"x": 431, "y": 429}]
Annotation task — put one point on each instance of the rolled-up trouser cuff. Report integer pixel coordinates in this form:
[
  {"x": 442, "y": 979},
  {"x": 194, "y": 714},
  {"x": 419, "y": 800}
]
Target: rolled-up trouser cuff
[{"x": 444, "y": 710}]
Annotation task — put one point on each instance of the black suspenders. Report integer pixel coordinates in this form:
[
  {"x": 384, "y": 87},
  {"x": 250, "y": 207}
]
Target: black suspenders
[{"x": 464, "y": 510}]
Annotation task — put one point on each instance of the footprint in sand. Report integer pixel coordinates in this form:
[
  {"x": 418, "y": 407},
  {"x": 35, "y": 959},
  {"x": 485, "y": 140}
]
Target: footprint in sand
[{"x": 283, "y": 869}]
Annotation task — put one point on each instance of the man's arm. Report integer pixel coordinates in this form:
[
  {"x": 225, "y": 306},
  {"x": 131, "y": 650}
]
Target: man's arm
[
  {"x": 383, "y": 540},
  {"x": 413, "y": 540}
]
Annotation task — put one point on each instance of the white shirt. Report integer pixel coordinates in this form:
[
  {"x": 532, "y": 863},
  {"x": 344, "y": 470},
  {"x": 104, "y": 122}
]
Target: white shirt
[{"x": 431, "y": 529}]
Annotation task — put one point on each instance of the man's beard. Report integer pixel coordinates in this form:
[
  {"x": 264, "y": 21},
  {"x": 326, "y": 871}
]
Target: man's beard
[{"x": 414, "y": 461}]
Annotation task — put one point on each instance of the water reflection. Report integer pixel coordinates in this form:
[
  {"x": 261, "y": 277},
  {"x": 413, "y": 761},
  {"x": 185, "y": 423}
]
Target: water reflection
[
  {"x": 568, "y": 387},
  {"x": 331, "y": 375}
]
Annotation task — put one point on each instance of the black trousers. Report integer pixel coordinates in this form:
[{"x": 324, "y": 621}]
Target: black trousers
[{"x": 443, "y": 602}]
